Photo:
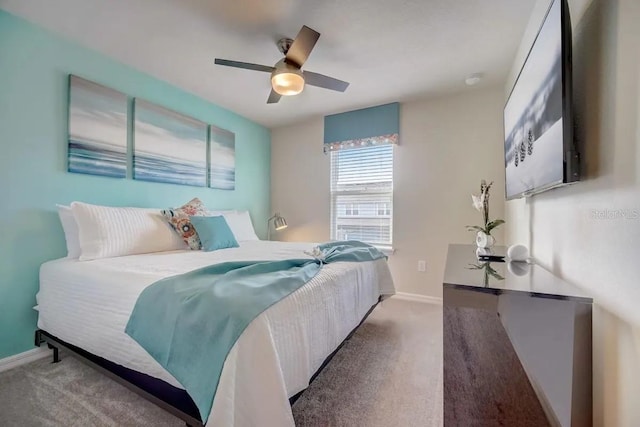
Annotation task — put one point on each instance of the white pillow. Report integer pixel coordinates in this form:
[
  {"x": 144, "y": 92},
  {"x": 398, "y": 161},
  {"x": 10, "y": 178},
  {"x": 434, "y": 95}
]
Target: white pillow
[
  {"x": 70, "y": 228},
  {"x": 223, "y": 213},
  {"x": 109, "y": 232},
  {"x": 240, "y": 224}
]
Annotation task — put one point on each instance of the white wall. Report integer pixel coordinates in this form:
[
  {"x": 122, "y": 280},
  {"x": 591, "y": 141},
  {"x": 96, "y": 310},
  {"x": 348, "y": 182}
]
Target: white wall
[
  {"x": 579, "y": 232},
  {"x": 447, "y": 145}
]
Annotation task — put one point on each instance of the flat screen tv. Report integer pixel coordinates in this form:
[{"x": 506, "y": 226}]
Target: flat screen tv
[{"x": 539, "y": 148}]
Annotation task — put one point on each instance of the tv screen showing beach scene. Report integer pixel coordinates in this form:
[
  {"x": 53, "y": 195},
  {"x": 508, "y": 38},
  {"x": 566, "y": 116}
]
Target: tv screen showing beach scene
[{"x": 533, "y": 115}]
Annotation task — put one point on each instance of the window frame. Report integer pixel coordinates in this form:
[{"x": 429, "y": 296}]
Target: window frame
[{"x": 353, "y": 209}]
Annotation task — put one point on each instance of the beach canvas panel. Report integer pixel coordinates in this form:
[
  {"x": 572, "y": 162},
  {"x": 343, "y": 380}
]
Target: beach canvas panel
[
  {"x": 168, "y": 147},
  {"x": 222, "y": 168},
  {"x": 97, "y": 129}
]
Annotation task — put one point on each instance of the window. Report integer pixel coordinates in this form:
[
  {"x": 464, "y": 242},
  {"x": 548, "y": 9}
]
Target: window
[
  {"x": 362, "y": 194},
  {"x": 351, "y": 209},
  {"x": 384, "y": 209}
]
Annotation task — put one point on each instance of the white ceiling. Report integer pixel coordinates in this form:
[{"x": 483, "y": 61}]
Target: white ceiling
[{"x": 392, "y": 50}]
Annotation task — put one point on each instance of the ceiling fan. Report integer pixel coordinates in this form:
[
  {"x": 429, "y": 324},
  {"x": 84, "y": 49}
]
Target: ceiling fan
[{"x": 287, "y": 78}]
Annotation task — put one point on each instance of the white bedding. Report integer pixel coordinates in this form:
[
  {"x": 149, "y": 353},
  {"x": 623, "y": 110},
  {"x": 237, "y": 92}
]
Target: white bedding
[{"x": 88, "y": 304}]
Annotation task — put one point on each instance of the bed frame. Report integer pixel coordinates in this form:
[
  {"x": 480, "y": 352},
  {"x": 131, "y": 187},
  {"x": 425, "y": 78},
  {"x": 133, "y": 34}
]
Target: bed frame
[{"x": 172, "y": 399}]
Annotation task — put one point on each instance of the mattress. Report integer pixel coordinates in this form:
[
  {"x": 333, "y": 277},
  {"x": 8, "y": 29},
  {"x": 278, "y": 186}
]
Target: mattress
[{"x": 88, "y": 304}]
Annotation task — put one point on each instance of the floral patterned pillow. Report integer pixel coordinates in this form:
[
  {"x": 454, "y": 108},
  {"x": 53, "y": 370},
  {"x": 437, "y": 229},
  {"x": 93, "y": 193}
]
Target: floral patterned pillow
[{"x": 179, "y": 220}]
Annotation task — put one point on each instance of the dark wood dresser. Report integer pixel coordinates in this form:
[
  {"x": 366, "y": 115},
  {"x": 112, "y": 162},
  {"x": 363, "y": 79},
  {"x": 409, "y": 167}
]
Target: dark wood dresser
[{"x": 517, "y": 345}]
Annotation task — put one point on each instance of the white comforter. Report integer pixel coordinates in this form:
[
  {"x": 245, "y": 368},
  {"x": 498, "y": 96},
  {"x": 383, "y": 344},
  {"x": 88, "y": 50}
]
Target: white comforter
[{"x": 88, "y": 304}]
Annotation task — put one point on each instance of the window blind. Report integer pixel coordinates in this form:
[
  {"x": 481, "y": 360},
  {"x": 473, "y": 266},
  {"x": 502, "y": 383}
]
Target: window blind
[{"x": 362, "y": 194}]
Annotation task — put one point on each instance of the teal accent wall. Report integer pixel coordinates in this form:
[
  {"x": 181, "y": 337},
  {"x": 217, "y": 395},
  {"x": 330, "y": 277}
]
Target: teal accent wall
[{"x": 34, "y": 69}]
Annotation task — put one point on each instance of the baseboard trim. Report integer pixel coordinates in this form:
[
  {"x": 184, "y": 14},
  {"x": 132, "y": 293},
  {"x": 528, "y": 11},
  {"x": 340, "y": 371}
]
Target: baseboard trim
[
  {"x": 418, "y": 298},
  {"x": 22, "y": 358}
]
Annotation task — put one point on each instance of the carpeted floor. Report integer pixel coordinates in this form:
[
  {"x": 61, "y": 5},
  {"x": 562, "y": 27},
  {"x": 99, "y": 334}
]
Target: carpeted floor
[{"x": 388, "y": 374}]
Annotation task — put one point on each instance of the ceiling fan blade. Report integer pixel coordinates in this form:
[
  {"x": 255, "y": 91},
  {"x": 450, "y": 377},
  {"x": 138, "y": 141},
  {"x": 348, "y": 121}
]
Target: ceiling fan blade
[
  {"x": 302, "y": 45},
  {"x": 320, "y": 80},
  {"x": 273, "y": 97},
  {"x": 245, "y": 65}
]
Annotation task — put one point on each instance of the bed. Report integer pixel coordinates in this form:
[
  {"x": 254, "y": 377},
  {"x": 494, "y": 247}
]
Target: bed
[{"x": 86, "y": 305}]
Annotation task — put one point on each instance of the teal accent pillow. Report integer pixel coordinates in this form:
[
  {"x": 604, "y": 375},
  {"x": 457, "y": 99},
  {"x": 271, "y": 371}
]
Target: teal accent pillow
[{"x": 214, "y": 232}]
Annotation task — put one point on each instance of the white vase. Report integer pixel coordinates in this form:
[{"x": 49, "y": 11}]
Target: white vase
[{"x": 484, "y": 240}]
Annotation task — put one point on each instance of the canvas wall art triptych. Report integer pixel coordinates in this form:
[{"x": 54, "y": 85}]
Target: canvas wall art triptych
[
  {"x": 97, "y": 129},
  {"x": 168, "y": 147}
]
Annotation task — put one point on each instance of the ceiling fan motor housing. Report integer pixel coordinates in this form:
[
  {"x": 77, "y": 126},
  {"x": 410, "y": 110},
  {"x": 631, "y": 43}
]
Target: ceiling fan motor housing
[{"x": 284, "y": 44}]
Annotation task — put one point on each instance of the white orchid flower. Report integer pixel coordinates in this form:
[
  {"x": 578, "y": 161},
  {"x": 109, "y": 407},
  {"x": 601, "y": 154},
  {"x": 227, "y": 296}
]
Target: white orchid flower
[
  {"x": 481, "y": 204},
  {"x": 478, "y": 202}
]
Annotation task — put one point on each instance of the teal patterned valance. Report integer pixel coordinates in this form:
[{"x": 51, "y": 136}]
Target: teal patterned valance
[
  {"x": 362, "y": 128},
  {"x": 363, "y": 142}
]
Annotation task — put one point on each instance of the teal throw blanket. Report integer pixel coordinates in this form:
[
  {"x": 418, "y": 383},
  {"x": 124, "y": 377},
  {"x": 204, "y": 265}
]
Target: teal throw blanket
[{"x": 190, "y": 322}]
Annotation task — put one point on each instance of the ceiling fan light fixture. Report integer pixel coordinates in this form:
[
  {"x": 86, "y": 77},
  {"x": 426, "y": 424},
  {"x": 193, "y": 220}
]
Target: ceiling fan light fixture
[
  {"x": 287, "y": 82},
  {"x": 287, "y": 78}
]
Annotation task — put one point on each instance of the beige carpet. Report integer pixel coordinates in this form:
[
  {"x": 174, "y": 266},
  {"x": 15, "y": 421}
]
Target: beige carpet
[{"x": 388, "y": 374}]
